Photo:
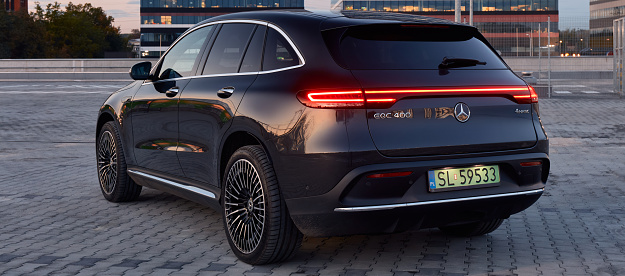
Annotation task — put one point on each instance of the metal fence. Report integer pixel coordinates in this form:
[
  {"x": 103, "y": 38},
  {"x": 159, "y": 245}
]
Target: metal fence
[
  {"x": 554, "y": 52},
  {"x": 568, "y": 36},
  {"x": 619, "y": 55}
]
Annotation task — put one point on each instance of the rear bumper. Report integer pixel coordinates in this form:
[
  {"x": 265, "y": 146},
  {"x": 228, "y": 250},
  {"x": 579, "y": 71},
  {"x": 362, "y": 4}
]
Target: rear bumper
[
  {"x": 435, "y": 202},
  {"x": 360, "y": 205}
]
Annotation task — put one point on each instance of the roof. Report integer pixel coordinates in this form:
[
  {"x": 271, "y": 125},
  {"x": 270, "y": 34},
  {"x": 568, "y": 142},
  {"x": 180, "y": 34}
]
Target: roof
[{"x": 338, "y": 18}]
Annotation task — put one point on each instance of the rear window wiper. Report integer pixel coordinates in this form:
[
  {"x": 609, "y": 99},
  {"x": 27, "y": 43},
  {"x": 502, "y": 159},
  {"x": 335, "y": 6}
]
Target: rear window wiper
[{"x": 459, "y": 62}]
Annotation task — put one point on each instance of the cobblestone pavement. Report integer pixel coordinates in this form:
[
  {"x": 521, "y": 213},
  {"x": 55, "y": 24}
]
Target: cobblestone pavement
[
  {"x": 567, "y": 88},
  {"x": 53, "y": 219}
]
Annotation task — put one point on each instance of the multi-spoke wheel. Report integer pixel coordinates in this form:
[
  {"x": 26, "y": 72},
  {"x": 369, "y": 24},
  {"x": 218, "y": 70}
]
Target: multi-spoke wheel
[
  {"x": 258, "y": 225},
  {"x": 115, "y": 184},
  {"x": 245, "y": 206},
  {"x": 107, "y": 162}
]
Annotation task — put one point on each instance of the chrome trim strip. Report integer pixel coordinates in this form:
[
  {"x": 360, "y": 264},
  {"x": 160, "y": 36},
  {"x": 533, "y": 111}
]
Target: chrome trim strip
[
  {"x": 393, "y": 206},
  {"x": 227, "y": 75},
  {"x": 175, "y": 184},
  {"x": 299, "y": 54}
]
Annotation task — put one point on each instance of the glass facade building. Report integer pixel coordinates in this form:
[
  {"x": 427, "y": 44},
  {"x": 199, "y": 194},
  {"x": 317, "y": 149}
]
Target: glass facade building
[
  {"x": 448, "y": 6},
  {"x": 603, "y": 13},
  {"x": 162, "y": 21},
  {"x": 514, "y": 27}
]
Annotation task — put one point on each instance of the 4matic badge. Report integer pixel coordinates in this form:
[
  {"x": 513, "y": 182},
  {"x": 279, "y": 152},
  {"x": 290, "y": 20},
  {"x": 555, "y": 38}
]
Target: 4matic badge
[{"x": 396, "y": 114}]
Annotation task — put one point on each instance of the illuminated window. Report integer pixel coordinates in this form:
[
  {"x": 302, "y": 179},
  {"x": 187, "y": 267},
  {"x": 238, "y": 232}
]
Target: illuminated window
[{"x": 166, "y": 19}]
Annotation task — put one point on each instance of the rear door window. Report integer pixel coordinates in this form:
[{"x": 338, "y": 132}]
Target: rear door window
[
  {"x": 254, "y": 54},
  {"x": 227, "y": 51},
  {"x": 390, "y": 46},
  {"x": 278, "y": 52}
]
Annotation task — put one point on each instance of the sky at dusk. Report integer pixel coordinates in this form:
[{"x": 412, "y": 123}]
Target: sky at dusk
[{"x": 126, "y": 12}]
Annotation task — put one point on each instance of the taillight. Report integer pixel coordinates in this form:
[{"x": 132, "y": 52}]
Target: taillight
[
  {"x": 332, "y": 99},
  {"x": 533, "y": 94},
  {"x": 378, "y": 98},
  {"x": 386, "y": 98}
]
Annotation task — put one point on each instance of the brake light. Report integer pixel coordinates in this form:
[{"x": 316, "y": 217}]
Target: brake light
[
  {"x": 533, "y": 94},
  {"x": 527, "y": 99},
  {"x": 332, "y": 99},
  {"x": 386, "y": 98}
]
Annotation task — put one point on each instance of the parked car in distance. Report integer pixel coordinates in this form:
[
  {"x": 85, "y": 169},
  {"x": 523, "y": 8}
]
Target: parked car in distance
[
  {"x": 529, "y": 78},
  {"x": 293, "y": 123},
  {"x": 596, "y": 52}
]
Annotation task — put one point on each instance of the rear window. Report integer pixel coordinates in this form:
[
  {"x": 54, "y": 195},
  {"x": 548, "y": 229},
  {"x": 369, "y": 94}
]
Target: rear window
[{"x": 409, "y": 47}]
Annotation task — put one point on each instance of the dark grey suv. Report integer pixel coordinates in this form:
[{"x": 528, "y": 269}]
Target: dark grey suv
[{"x": 323, "y": 124}]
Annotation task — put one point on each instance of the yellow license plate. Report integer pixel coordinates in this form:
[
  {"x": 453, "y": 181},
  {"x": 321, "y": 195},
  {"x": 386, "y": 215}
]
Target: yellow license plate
[{"x": 463, "y": 178}]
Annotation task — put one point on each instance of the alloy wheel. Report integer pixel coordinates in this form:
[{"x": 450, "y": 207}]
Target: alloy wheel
[
  {"x": 107, "y": 162},
  {"x": 244, "y": 205}
]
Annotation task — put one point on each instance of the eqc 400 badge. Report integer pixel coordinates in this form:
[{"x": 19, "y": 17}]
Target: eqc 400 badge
[{"x": 396, "y": 114}]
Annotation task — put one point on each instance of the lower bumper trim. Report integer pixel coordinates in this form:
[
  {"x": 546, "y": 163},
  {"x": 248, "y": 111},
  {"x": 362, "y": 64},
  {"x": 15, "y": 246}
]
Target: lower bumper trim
[{"x": 393, "y": 206}]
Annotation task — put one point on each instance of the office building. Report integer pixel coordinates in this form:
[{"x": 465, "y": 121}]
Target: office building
[
  {"x": 513, "y": 27},
  {"x": 162, "y": 21},
  {"x": 603, "y": 13},
  {"x": 16, "y": 5}
]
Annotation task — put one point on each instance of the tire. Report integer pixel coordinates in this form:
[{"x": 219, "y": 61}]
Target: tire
[
  {"x": 257, "y": 223},
  {"x": 472, "y": 229},
  {"x": 115, "y": 184}
]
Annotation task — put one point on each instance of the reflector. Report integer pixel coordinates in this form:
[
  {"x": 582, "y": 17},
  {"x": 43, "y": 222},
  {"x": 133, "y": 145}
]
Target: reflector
[
  {"x": 531, "y": 164},
  {"x": 394, "y": 174}
]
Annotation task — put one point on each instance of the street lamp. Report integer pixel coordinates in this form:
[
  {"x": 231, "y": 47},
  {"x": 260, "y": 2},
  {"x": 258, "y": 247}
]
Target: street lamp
[{"x": 582, "y": 41}]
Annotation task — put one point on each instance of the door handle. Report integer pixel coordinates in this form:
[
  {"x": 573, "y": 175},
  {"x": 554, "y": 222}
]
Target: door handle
[
  {"x": 172, "y": 91},
  {"x": 225, "y": 92}
]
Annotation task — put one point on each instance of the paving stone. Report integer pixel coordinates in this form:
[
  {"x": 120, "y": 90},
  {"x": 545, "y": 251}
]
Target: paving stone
[
  {"x": 45, "y": 259},
  {"x": 7, "y": 257},
  {"x": 172, "y": 265},
  {"x": 130, "y": 263},
  {"x": 55, "y": 221},
  {"x": 87, "y": 261},
  {"x": 355, "y": 272}
]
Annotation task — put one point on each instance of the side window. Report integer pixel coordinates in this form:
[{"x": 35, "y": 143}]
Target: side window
[
  {"x": 227, "y": 51},
  {"x": 278, "y": 52},
  {"x": 254, "y": 54},
  {"x": 180, "y": 60}
]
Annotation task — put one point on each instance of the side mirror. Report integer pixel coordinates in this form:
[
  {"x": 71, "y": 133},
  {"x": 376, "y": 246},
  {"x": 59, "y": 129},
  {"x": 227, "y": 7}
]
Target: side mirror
[{"x": 141, "y": 70}]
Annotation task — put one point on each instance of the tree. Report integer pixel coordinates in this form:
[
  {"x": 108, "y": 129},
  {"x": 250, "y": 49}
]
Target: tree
[
  {"x": 20, "y": 36},
  {"x": 134, "y": 34},
  {"x": 79, "y": 31}
]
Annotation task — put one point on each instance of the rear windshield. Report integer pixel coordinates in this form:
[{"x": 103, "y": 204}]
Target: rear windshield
[{"x": 406, "y": 46}]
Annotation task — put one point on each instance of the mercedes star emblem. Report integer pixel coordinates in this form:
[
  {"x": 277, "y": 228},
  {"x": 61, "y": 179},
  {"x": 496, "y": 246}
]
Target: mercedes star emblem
[{"x": 462, "y": 112}]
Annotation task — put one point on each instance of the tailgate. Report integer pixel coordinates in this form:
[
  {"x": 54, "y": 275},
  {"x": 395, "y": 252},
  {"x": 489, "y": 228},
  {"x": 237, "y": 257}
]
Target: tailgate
[{"x": 472, "y": 116}]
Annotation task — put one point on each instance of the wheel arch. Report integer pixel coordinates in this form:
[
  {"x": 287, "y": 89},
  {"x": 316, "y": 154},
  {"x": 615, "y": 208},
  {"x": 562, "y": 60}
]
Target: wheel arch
[
  {"x": 104, "y": 117},
  {"x": 234, "y": 141}
]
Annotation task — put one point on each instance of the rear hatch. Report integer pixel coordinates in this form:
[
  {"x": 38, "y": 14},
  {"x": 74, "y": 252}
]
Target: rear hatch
[{"x": 435, "y": 89}]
